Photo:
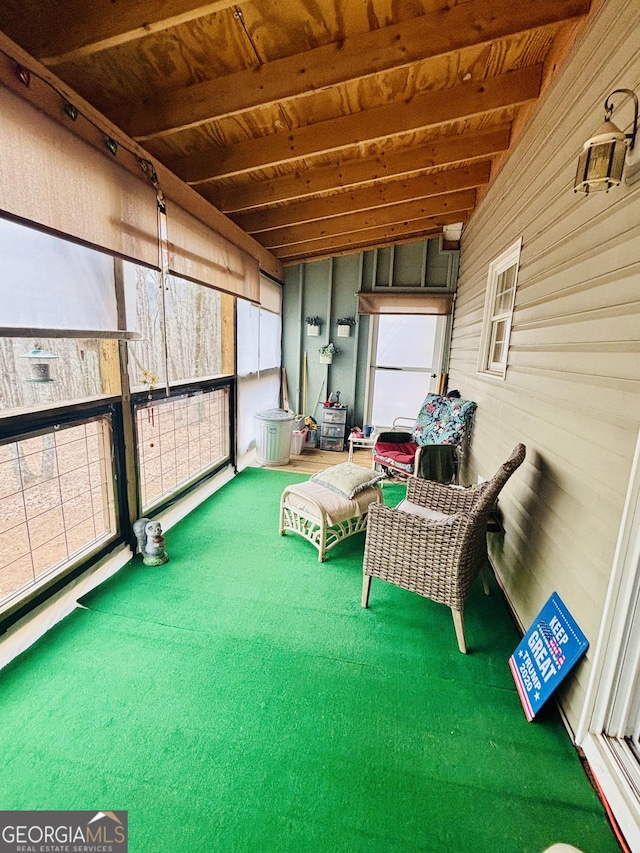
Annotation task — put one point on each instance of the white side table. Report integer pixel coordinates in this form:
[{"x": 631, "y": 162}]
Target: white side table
[{"x": 360, "y": 442}]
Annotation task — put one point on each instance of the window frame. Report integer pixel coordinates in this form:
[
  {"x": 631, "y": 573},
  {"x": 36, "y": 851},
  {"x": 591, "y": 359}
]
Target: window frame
[
  {"x": 139, "y": 400},
  {"x": 507, "y": 260},
  {"x": 33, "y": 423}
]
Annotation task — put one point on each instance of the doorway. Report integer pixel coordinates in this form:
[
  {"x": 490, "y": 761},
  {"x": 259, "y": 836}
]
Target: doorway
[
  {"x": 609, "y": 730},
  {"x": 406, "y": 358}
]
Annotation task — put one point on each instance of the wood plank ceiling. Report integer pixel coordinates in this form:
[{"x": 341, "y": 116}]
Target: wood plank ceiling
[{"x": 319, "y": 126}]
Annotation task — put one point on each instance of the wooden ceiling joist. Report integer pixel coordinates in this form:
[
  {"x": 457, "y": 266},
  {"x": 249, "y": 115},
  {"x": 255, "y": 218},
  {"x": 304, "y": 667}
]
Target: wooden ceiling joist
[
  {"x": 383, "y": 235},
  {"x": 318, "y": 126},
  {"x": 384, "y": 195},
  {"x": 466, "y": 147},
  {"x": 438, "y": 33},
  {"x": 350, "y": 222},
  {"x": 76, "y": 31},
  {"x": 425, "y": 110}
]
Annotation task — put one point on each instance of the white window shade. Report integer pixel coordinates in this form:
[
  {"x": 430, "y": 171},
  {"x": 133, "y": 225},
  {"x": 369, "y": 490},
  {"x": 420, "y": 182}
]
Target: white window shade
[
  {"x": 259, "y": 335},
  {"x": 270, "y": 340},
  {"x": 248, "y": 337},
  {"x": 50, "y": 284},
  {"x": 255, "y": 394}
]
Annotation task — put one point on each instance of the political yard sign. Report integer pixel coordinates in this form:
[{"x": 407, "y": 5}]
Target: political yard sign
[{"x": 549, "y": 649}]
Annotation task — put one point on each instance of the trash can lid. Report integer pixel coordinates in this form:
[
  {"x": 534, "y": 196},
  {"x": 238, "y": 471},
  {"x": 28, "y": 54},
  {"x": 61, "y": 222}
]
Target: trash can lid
[{"x": 275, "y": 415}]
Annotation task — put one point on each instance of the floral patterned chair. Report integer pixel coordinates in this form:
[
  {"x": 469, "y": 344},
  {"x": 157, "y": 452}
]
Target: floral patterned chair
[{"x": 430, "y": 450}]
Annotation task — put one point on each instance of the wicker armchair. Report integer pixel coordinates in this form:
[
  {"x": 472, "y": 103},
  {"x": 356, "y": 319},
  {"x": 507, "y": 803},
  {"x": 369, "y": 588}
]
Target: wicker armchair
[{"x": 437, "y": 557}]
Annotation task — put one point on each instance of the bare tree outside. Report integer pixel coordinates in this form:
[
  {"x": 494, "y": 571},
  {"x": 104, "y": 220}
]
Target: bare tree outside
[{"x": 192, "y": 318}]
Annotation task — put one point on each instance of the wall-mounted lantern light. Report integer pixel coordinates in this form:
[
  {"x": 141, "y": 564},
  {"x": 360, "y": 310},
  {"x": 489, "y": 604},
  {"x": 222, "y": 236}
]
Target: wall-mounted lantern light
[
  {"x": 39, "y": 364},
  {"x": 603, "y": 156}
]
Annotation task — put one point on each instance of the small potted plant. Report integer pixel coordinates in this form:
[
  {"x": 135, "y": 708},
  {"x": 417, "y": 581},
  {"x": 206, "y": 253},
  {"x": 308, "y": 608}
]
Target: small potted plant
[
  {"x": 345, "y": 325},
  {"x": 313, "y": 326},
  {"x": 327, "y": 353}
]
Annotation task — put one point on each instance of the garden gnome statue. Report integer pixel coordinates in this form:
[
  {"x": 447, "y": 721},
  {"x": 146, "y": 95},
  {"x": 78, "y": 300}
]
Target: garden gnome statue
[{"x": 150, "y": 542}]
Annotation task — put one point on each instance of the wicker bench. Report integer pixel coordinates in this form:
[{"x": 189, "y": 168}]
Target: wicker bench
[{"x": 322, "y": 516}]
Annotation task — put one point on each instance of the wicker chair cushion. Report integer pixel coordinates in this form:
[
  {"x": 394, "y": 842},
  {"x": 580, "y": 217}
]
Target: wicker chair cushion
[
  {"x": 422, "y": 511},
  {"x": 443, "y": 420},
  {"x": 307, "y": 497},
  {"x": 347, "y": 479}
]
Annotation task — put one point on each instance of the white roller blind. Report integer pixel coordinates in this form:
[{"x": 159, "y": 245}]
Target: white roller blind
[
  {"x": 50, "y": 283},
  {"x": 259, "y": 335},
  {"x": 270, "y": 340},
  {"x": 255, "y": 394},
  {"x": 248, "y": 337}
]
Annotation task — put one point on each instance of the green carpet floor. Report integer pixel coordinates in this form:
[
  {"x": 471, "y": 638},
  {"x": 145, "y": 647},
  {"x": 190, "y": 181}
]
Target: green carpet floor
[{"x": 240, "y": 699}]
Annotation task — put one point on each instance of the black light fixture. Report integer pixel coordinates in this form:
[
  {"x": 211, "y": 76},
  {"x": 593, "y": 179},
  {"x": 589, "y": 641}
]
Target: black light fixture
[
  {"x": 603, "y": 156},
  {"x": 70, "y": 110},
  {"x": 112, "y": 145}
]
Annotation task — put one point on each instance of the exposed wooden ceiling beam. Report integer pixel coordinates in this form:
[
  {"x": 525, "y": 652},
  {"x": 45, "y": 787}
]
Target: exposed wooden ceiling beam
[
  {"x": 320, "y": 252},
  {"x": 358, "y": 172},
  {"x": 383, "y": 195},
  {"x": 367, "y": 239},
  {"x": 80, "y": 29},
  {"x": 384, "y": 216},
  {"x": 435, "y": 34},
  {"x": 426, "y": 110}
]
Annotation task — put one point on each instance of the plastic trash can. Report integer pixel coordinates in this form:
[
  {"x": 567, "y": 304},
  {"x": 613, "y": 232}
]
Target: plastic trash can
[
  {"x": 298, "y": 438},
  {"x": 273, "y": 440}
]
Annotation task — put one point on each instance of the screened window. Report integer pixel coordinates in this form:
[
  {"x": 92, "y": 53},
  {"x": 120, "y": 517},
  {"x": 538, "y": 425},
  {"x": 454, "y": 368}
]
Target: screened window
[
  {"x": 186, "y": 316},
  {"x": 179, "y": 439},
  {"x": 498, "y": 312},
  {"x": 57, "y": 503},
  {"x": 67, "y": 370},
  {"x": 194, "y": 337},
  {"x": 51, "y": 287}
]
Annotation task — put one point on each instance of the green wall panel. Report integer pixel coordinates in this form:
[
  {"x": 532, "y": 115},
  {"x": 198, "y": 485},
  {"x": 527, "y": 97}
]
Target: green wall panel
[{"x": 329, "y": 289}]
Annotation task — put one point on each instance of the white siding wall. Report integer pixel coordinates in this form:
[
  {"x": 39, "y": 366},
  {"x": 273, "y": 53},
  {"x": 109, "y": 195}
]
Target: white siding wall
[{"x": 572, "y": 389}]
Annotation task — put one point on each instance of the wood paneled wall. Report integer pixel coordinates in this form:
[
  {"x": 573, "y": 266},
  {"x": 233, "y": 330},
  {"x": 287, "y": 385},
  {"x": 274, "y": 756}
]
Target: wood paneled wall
[
  {"x": 329, "y": 289},
  {"x": 572, "y": 389}
]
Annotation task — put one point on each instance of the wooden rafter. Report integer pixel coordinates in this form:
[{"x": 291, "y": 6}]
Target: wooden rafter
[
  {"x": 425, "y": 110},
  {"x": 435, "y": 34},
  {"x": 386, "y": 166},
  {"x": 360, "y": 221},
  {"x": 315, "y": 127},
  {"x": 369, "y": 198},
  {"x": 368, "y": 238},
  {"x": 79, "y": 29}
]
